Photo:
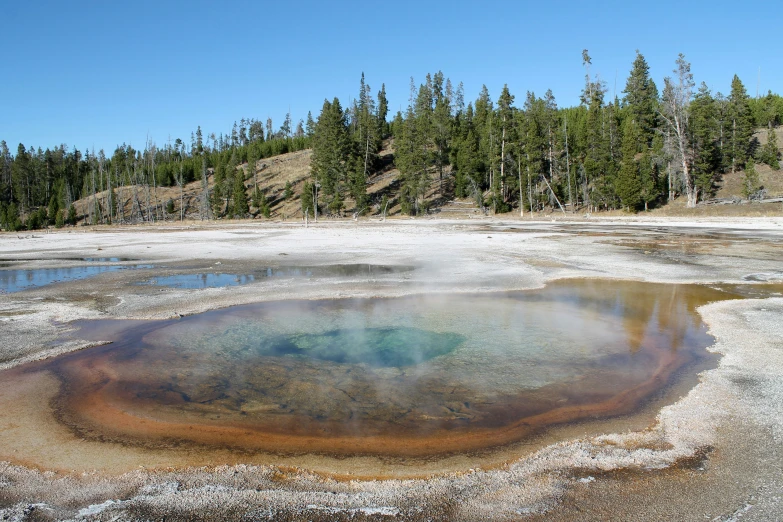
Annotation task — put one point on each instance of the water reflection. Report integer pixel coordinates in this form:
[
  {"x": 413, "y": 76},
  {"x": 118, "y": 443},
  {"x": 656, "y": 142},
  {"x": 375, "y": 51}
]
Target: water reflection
[
  {"x": 16, "y": 280},
  {"x": 217, "y": 280}
]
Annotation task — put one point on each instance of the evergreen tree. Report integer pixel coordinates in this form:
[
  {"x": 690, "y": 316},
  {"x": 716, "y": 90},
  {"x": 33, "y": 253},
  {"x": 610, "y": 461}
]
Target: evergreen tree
[
  {"x": 383, "y": 111},
  {"x": 5, "y": 172},
  {"x": 629, "y": 183},
  {"x": 238, "y": 196},
  {"x": 285, "y": 128},
  {"x": 199, "y": 141},
  {"x": 465, "y": 157},
  {"x": 54, "y": 207},
  {"x": 741, "y": 126},
  {"x": 641, "y": 101},
  {"x": 307, "y": 200},
  {"x": 534, "y": 144},
  {"x": 597, "y": 157},
  {"x": 770, "y": 153},
  {"x": 22, "y": 175},
  {"x": 331, "y": 148},
  {"x": 750, "y": 182},
  {"x": 59, "y": 220},
  {"x": 648, "y": 176},
  {"x": 218, "y": 189},
  {"x": 483, "y": 109},
  {"x": 441, "y": 126},
  {"x": 366, "y": 144},
  {"x": 310, "y": 125},
  {"x": 413, "y": 149},
  {"x": 704, "y": 142},
  {"x": 12, "y": 218}
]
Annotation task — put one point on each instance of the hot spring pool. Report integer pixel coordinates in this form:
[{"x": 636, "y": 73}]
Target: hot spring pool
[{"x": 417, "y": 376}]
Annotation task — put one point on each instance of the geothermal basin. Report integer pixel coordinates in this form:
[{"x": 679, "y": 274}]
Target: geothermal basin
[
  {"x": 419, "y": 376},
  {"x": 503, "y": 370}
]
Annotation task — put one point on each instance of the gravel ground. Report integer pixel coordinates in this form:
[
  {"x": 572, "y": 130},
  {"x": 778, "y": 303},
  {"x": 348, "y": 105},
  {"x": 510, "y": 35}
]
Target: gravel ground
[{"x": 712, "y": 455}]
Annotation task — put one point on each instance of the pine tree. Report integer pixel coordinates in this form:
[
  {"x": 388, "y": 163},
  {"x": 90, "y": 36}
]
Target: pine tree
[
  {"x": 238, "y": 196},
  {"x": 331, "y": 147},
  {"x": 365, "y": 146},
  {"x": 750, "y": 183},
  {"x": 21, "y": 176},
  {"x": 54, "y": 207},
  {"x": 383, "y": 111},
  {"x": 648, "y": 175},
  {"x": 597, "y": 158},
  {"x": 307, "y": 200},
  {"x": 464, "y": 153},
  {"x": 413, "y": 148},
  {"x": 506, "y": 135},
  {"x": 533, "y": 138},
  {"x": 770, "y": 153},
  {"x": 483, "y": 110},
  {"x": 741, "y": 126},
  {"x": 310, "y": 125},
  {"x": 704, "y": 142},
  {"x": 641, "y": 100},
  {"x": 629, "y": 183},
  {"x": 441, "y": 126},
  {"x": 199, "y": 141},
  {"x": 218, "y": 189},
  {"x": 285, "y": 128},
  {"x": 59, "y": 220}
]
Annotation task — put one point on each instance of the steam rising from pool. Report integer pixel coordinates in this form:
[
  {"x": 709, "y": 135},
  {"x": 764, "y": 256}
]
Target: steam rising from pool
[{"x": 414, "y": 376}]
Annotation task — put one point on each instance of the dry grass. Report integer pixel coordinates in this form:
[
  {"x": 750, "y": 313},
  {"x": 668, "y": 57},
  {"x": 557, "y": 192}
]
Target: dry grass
[
  {"x": 771, "y": 180},
  {"x": 274, "y": 173},
  {"x": 294, "y": 168}
]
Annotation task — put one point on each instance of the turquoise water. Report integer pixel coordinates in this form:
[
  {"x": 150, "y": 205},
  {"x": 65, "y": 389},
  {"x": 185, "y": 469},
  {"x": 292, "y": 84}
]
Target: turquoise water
[
  {"x": 374, "y": 347},
  {"x": 409, "y": 367}
]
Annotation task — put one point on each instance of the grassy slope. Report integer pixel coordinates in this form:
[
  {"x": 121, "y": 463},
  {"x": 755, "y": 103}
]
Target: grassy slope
[{"x": 273, "y": 174}]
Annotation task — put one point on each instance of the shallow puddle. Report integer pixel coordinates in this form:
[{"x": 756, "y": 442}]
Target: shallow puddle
[
  {"x": 412, "y": 377},
  {"x": 16, "y": 280},
  {"x": 218, "y": 280}
]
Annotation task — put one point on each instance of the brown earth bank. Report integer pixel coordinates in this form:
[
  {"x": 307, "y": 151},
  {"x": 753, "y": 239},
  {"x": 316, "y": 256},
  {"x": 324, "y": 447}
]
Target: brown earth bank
[
  {"x": 272, "y": 175},
  {"x": 712, "y": 454}
]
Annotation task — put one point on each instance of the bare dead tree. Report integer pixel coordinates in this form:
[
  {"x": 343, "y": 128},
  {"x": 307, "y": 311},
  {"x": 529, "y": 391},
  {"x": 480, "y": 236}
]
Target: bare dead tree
[{"x": 675, "y": 112}]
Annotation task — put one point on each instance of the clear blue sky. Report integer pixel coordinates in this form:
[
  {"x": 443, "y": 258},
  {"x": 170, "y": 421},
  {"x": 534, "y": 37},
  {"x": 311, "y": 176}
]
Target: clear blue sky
[{"x": 97, "y": 74}]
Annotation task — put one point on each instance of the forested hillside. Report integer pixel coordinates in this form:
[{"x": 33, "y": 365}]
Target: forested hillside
[{"x": 641, "y": 149}]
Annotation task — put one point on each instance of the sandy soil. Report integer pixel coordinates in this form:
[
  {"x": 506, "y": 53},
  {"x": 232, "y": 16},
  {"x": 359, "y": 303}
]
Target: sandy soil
[{"x": 714, "y": 454}]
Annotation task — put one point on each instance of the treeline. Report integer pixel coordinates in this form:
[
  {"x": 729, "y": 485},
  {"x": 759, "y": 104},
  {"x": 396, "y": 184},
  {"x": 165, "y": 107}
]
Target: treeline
[
  {"x": 346, "y": 146},
  {"x": 631, "y": 152},
  {"x": 38, "y": 187},
  {"x": 635, "y": 151}
]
